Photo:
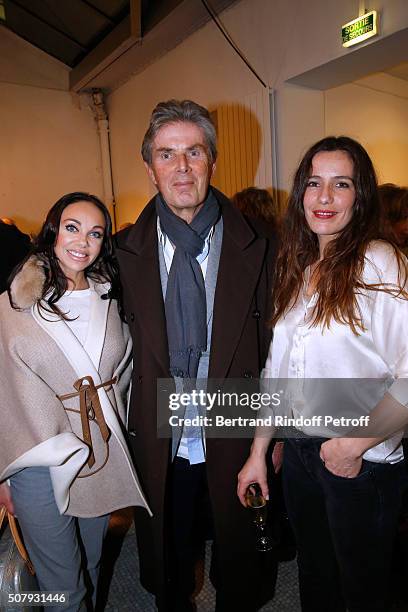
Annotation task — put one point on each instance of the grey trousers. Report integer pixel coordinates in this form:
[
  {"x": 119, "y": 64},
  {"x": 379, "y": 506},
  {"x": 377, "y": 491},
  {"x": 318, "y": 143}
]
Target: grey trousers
[{"x": 65, "y": 550}]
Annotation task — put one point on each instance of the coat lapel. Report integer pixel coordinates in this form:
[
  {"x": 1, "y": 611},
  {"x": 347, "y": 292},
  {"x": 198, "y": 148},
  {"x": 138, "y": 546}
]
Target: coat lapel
[
  {"x": 140, "y": 273},
  {"x": 241, "y": 260},
  {"x": 95, "y": 338}
]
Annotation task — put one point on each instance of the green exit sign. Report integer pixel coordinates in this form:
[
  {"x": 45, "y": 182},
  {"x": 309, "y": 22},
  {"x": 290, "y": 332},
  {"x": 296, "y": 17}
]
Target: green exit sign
[{"x": 359, "y": 29}]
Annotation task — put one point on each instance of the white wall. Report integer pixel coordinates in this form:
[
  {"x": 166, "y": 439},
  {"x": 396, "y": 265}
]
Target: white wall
[
  {"x": 49, "y": 144},
  {"x": 200, "y": 69},
  {"x": 281, "y": 39},
  {"x": 374, "y": 110}
]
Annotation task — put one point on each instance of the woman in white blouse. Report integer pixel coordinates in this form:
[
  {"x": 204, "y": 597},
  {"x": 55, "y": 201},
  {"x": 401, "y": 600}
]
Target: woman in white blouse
[{"x": 340, "y": 311}]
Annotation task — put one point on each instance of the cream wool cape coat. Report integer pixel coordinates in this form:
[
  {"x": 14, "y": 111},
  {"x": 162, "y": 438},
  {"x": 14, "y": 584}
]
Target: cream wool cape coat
[{"x": 40, "y": 359}]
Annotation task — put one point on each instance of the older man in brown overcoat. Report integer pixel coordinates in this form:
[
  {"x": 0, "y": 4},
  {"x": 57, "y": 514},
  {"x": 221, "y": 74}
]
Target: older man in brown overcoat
[{"x": 197, "y": 282}]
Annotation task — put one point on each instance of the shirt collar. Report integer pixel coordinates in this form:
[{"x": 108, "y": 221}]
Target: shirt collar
[{"x": 167, "y": 244}]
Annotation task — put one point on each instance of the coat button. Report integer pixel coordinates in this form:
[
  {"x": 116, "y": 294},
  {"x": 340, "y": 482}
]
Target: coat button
[
  {"x": 256, "y": 314},
  {"x": 132, "y": 433},
  {"x": 248, "y": 374},
  {"x": 132, "y": 317},
  {"x": 140, "y": 378}
]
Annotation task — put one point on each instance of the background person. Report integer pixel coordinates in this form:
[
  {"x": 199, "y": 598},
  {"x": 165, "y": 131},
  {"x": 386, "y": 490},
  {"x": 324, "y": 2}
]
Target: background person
[
  {"x": 14, "y": 246},
  {"x": 65, "y": 367},
  {"x": 340, "y": 310},
  {"x": 394, "y": 214},
  {"x": 258, "y": 204}
]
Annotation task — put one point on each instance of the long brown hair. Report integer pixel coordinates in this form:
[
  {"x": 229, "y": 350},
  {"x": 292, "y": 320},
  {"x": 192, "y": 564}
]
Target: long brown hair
[{"x": 340, "y": 272}]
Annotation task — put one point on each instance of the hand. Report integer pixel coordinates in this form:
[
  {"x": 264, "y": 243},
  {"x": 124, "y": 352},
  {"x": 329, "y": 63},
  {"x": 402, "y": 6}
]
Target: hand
[
  {"x": 342, "y": 456},
  {"x": 254, "y": 470},
  {"x": 277, "y": 456},
  {"x": 5, "y": 497}
]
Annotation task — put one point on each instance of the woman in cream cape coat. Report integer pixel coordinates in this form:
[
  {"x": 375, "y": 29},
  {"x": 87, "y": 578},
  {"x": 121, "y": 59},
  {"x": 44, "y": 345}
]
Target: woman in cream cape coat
[
  {"x": 38, "y": 430},
  {"x": 65, "y": 359}
]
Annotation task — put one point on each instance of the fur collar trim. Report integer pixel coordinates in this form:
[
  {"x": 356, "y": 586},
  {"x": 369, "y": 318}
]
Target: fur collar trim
[{"x": 27, "y": 286}]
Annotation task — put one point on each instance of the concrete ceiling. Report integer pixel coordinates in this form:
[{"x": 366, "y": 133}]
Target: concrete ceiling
[
  {"x": 388, "y": 54},
  {"x": 67, "y": 30},
  {"x": 105, "y": 42}
]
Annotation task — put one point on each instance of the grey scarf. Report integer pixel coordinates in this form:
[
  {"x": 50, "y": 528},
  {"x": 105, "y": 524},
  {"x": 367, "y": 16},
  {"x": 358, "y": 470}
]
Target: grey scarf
[{"x": 185, "y": 302}]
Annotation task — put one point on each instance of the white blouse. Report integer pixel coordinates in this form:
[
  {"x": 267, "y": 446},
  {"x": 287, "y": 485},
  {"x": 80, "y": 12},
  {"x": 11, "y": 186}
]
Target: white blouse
[
  {"x": 302, "y": 351},
  {"x": 77, "y": 305}
]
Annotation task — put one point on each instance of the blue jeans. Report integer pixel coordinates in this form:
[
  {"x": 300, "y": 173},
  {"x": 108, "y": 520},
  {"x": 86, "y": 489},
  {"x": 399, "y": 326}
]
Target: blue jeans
[
  {"x": 54, "y": 541},
  {"x": 344, "y": 529}
]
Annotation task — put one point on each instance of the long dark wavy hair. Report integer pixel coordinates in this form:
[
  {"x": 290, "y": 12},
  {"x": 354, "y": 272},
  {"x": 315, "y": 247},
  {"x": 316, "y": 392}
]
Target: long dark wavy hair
[
  {"x": 339, "y": 273},
  {"x": 103, "y": 270}
]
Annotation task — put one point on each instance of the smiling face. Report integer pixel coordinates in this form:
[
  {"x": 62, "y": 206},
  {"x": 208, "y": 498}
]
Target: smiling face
[
  {"x": 330, "y": 194},
  {"x": 181, "y": 167},
  {"x": 79, "y": 241}
]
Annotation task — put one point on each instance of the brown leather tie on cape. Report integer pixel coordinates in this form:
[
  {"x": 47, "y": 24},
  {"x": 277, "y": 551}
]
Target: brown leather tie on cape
[{"x": 90, "y": 409}]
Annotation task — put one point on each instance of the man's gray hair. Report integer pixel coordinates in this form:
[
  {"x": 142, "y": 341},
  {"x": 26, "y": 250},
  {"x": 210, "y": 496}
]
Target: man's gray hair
[{"x": 174, "y": 111}]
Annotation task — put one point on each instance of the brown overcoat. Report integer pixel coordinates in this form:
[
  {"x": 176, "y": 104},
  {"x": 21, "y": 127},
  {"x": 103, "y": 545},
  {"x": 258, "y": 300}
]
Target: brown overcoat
[{"x": 240, "y": 341}]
